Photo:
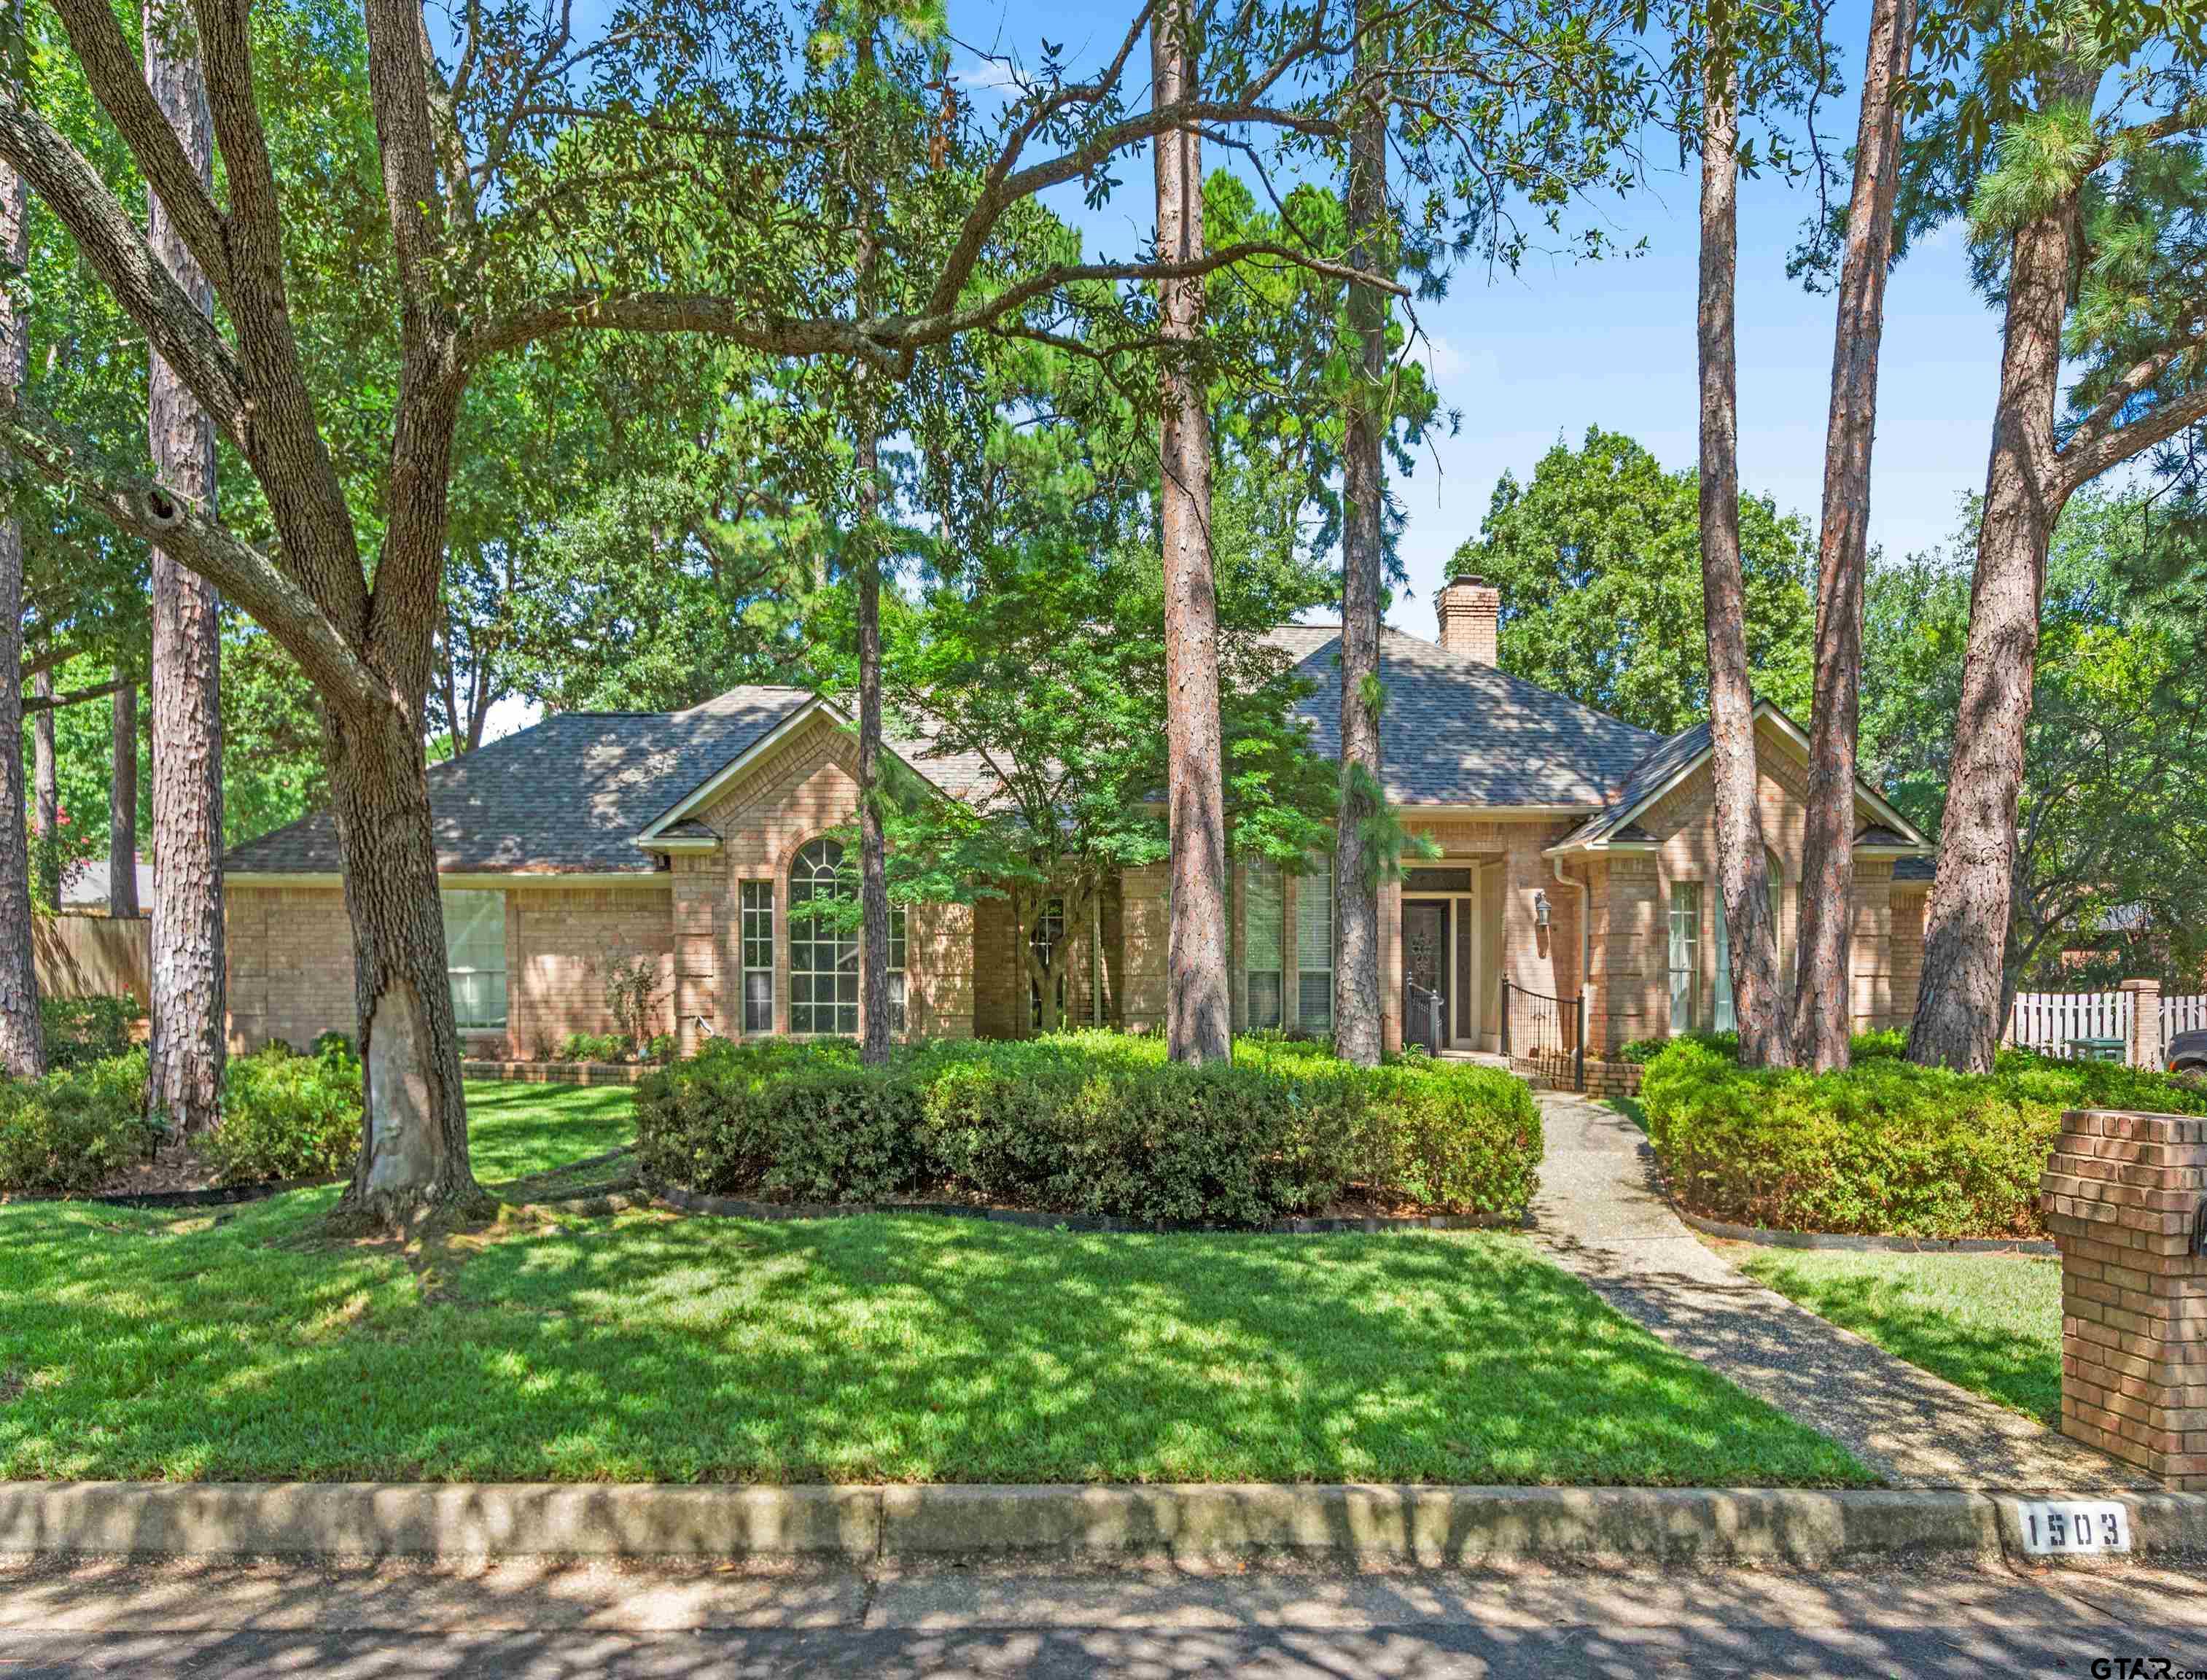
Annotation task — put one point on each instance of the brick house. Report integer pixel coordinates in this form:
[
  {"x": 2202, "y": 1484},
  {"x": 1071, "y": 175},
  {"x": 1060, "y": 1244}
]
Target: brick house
[{"x": 1576, "y": 854}]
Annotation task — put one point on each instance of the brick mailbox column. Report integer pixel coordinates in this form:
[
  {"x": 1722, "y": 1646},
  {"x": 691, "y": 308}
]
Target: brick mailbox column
[{"x": 2121, "y": 1194}]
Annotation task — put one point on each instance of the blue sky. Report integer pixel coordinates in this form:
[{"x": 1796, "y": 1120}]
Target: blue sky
[{"x": 1558, "y": 346}]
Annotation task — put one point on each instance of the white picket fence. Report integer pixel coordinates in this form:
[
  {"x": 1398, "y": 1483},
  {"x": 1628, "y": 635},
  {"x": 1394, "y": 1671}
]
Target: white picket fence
[{"x": 2053, "y": 1022}]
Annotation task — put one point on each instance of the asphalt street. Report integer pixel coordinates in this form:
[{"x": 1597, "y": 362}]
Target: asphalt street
[{"x": 546, "y": 1621}]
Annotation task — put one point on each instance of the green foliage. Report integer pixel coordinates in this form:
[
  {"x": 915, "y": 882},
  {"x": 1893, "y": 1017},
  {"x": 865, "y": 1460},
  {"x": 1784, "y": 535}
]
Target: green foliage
[
  {"x": 1885, "y": 1146},
  {"x": 1092, "y": 1123},
  {"x": 631, "y": 989},
  {"x": 593, "y": 1047},
  {"x": 81, "y": 1030},
  {"x": 335, "y": 1046},
  {"x": 1457, "y": 1139},
  {"x": 285, "y": 1117},
  {"x": 1598, "y": 561},
  {"x": 2114, "y": 806},
  {"x": 72, "y": 1131}
]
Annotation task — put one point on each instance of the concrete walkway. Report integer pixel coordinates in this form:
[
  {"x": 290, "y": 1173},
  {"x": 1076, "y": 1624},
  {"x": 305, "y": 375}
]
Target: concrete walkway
[{"x": 1601, "y": 1215}]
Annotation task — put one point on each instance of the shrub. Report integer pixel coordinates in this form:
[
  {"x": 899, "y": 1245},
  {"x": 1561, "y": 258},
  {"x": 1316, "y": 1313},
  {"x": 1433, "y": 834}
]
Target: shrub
[
  {"x": 1885, "y": 1146},
  {"x": 593, "y": 1047},
  {"x": 1091, "y": 1123},
  {"x": 782, "y": 1121},
  {"x": 1454, "y": 1139},
  {"x": 81, "y": 1030},
  {"x": 335, "y": 1046},
  {"x": 284, "y": 1117},
  {"x": 660, "y": 1047},
  {"x": 74, "y": 1129}
]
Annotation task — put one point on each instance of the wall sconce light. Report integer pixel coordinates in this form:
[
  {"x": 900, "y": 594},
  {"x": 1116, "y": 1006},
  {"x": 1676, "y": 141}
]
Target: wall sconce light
[{"x": 1540, "y": 909}]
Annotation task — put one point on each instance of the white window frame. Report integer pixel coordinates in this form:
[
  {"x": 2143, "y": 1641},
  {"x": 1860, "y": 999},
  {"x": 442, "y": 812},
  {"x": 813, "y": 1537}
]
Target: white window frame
[
  {"x": 900, "y": 989},
  {"x": 1314, "y": 937},
  {"x": 755, "y": 940},
  {"x": 1262, "y": 882},
  {"x": 820, "y": 860},
  {"x": 458, "y": 974},
  {"x": 1683, "y": 953}
]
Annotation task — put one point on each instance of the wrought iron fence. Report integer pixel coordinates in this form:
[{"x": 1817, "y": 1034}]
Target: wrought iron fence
[
  {"x": 1421, "y": 1016},
  {"x": 1544, "y": 1030}
]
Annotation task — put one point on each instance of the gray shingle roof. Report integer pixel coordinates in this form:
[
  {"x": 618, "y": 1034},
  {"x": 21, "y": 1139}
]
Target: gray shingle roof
[
  {"x": 568, "y": 795},
  {"x": 1672, "y": 754},
  {"x": 1458, "y": 733},
  {"x": 1916, "y": 868}
]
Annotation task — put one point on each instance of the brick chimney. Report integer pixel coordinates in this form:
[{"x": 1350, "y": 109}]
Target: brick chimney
[{"x": 1470, "y": 614}]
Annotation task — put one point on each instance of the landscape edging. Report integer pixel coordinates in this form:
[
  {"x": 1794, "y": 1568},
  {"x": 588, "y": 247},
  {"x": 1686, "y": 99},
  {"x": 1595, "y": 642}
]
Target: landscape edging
[
  {"x": 1843, "y": 1242},
  {"x": 738, "y": 1207},
  {"x": 1432, "y": 1526}
]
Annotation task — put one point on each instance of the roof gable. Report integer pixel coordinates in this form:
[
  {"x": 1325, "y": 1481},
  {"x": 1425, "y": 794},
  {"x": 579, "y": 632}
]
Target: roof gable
[{"x": 1681, "y": 756}]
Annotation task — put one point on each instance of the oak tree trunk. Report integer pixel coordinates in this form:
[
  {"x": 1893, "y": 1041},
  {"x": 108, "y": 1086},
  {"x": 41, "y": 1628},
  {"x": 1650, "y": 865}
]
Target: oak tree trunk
[
  {"x": 46, "y": 792},
  {"x": 1823, "y": 991},
  {"x": 122, "y": 801},
  {"x": 1741, "y": 864},
  {"x": 187, "y": 1044},
  {"x": 22, "y": 1044},
  {"x": 1198, "y": 1008},
  {"x": 1356, "y": 1000},
  {"x": 414, "y": 1143},
  {"x": 1958, "y": 1004}
]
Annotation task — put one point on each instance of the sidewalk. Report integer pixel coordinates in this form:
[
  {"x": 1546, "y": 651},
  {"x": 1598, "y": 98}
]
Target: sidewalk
[
  {"x": 1600, "y": 1215},
  {"x": 396, "y": 1620}
]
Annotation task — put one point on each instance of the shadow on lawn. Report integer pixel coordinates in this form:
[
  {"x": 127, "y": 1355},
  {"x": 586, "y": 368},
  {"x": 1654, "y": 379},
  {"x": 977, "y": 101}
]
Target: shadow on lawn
[
  {"x": 885, "y": 1347},
  {"x": 2019, "y": 1370}
]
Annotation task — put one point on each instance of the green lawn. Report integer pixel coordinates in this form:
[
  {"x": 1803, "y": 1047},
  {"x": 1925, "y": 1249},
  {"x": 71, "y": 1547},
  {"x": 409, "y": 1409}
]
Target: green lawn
[
  {"x": 641, "y": 1346},
  {"x": 1990, "y": 1323}
]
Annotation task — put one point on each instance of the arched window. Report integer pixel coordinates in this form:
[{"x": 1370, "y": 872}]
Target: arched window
[{"x": 823, "y": 958}]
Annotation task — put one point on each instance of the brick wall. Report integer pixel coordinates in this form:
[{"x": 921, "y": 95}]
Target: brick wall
[
  {"x": 560, "y": 943},
  {"x": 290, "y": 953},
  {"x": 2119, "y": 1193}
]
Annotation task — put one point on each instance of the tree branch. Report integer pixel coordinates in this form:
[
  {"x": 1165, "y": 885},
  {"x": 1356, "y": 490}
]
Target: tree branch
[
  {"x": 75, "y": 697},
  {"x": 112, "y": 244},
  {"x": 139, "y": 506},
  {"x": 117, "y": 81},
  {"x": 2082, "y": 460}
]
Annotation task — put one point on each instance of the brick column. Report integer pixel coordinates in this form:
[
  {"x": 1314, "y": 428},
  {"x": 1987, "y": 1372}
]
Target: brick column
[
  {"x": 2145, "y": 1047},
  {"x": 2120, "y": 1194}
]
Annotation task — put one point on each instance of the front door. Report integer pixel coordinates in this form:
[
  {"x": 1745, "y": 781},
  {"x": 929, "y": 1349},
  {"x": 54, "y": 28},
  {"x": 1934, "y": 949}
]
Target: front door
[{"x": 1425, "y": 950}]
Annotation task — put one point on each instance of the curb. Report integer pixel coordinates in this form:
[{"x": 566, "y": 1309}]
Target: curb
[
  {"x": 1430, "y": 1526},
  {"x": 1839, "y": 1242},
  {"x": 1033, "y": 1219}
]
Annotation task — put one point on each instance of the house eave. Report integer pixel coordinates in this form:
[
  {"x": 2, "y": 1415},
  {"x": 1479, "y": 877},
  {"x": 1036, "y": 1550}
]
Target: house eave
[{"x": 463, "y": 878}]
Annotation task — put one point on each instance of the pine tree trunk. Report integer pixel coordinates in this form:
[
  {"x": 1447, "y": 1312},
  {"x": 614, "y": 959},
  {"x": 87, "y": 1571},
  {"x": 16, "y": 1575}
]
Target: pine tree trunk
[
  {"x": 1741, "y": 864},
  {"x": 187, "y": 977},
  {"x": 1958, "y": 1006},
  {"x": 46, "y": 792},
  {"x": 1198, "y": 1008},
  {"x": 1356, "y": 1001},
  {"x": 1823, "y": 991},
  {"x": 22, "y": 1044},
  {"x": 122, "y": 803},
  {"x": 873, "y": 869},
  {"x": 414, "y": 1149}
]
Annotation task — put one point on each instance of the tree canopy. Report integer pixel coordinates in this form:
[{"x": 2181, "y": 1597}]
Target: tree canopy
[{"x": 1598, "y": 561}]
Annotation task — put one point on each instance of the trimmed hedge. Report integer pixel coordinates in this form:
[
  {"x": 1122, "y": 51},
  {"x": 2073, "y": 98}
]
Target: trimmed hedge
[
  {"x": 1091, "y": 1123},
  {"x": 283, "y": 1116},
  {"x": 75, "y": 1129},
  {"x": 287, "y": 1116},
  {"x": 1883, "y": 1148}
]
